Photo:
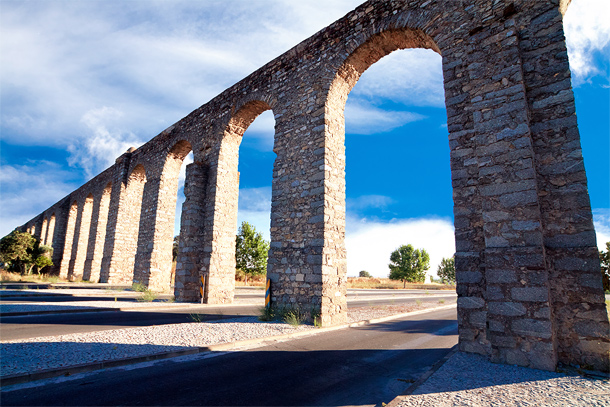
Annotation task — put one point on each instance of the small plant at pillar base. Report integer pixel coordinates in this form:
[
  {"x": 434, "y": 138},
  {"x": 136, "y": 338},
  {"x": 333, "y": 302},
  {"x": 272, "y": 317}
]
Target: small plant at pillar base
[
  {"x": 147, "y": 296},
  {"x": 267, "y": 314},
  {"x": 316, "y": 316},
  {"x": 139, "y": 287},
  {"x": 290, "y": 314}
]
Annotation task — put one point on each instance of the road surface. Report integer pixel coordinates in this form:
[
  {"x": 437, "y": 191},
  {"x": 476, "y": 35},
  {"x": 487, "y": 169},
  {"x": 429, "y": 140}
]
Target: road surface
[
  {"x": 368, "y": 365},
  {"x": 23, "y": 327}
]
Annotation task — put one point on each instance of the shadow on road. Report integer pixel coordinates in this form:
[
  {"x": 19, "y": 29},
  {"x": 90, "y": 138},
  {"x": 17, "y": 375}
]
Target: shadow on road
[{"x": 247, "y": 378}]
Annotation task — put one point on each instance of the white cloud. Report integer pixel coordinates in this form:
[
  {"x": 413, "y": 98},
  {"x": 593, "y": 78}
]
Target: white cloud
[
  {"x": 369, "y": 244},
  {"x": 263, "y": 131},
  {"x": 29, "y": 189},
  {"x": 601, "y": 222},
  {"x": 362, "y": 118},
  {"x": 96, "y": 152},
  {"x": 411, "y": 76},
  {"x": 587, "y": 30}
]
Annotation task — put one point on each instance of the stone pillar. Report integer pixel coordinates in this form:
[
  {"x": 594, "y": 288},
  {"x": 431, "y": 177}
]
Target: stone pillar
[
  {"x": 519, "y": 322},
  {"x": 468, "y": 218},
  {"x": 153, "y": 262},
  {"x": 192, "y": 227},
  {"x": 578, "y": 303},
  {"x": 123, "y": 223},
  {"x": 307, "y": 255}
]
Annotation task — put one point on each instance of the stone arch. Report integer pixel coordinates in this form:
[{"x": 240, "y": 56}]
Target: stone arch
[
  {"x": 49, "y": 235},
  {"x": 43, "y": 231},
  {"x": 81, "y": 239},
  {"x": 97, "y": 235},
  {"x": 154, "y": 257},
  {"x": 132, "y": 209},
  {"x": 68, "y": 240},
  {"x": 222, "y": 277}
]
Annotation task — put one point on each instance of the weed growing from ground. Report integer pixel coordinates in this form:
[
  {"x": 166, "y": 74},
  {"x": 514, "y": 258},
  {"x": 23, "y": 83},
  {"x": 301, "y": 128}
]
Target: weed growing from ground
[
  {"x": 196, "y": 317},
  {"x": 441, "y": 301},
  {"x": 147, "y": 296},
  {"x": 139, "y": 287},
  {"x": 418, "y": 302}
]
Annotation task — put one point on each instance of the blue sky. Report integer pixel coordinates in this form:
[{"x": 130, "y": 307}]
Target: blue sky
[{"x": 80, "y": 82}]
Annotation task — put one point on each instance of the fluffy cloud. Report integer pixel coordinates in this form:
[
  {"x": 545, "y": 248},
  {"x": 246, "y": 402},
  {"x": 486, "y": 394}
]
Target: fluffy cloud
[
  {"x": 587, "y": 30},
  {"x": 105, "y": 142},
  {"x": 412, "y": 77},
  {"x": 29, "y": 189},
  {"x": 369, "y": 244},
  {"x": 601, "y": 221},
  {"x": 366, "y": 119}
]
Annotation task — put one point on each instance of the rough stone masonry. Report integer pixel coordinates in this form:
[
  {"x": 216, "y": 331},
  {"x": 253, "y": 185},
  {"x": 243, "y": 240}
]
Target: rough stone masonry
[{"x": 528, "y": 273}]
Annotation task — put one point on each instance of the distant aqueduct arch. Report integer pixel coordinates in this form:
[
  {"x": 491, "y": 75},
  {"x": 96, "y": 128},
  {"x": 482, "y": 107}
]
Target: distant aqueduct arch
[{"x": 529, "y": 283}]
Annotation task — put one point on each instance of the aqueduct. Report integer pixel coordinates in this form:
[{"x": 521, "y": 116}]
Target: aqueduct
[{"x": 529, "y": 282}]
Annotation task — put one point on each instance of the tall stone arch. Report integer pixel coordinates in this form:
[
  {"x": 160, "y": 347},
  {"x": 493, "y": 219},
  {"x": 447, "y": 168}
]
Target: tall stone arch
[
  {"x": 209, "y": 214},
  {"x": 153, "y": 262}
]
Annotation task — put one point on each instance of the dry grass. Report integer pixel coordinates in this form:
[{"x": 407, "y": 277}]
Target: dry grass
[
  {"x": 9, "y": 277},
  {"x": 374, "y": 282}
]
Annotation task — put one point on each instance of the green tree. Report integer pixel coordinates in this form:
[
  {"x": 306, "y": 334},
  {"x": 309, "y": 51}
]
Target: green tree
[
  {"x": 604, "y": 259},
  {"x": 408, "y": 264},
  {"x": 175, "y": 247},
  {"x": 251, "y": 251},
  {"x": 365, "y": 273},
  {"x": 446, "y": 270},
  {"x": 23, "y": 251}
]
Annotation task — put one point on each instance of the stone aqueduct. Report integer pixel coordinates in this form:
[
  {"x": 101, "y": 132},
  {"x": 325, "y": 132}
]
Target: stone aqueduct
[{"x": 529, "y": 282}]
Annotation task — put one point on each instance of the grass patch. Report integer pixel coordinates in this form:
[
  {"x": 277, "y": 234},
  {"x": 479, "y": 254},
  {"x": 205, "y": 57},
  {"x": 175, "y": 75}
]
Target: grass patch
[
  {"x": 441, "y": 301},
  {"x": 196, "y": 317},
  {"x": 147, "y": 296},
  {"x": 139, "y": 287},
  {"x": 294, "y": 315},
  {"x": 386, "y": 283},
  {"x": 418, "y": 302}
]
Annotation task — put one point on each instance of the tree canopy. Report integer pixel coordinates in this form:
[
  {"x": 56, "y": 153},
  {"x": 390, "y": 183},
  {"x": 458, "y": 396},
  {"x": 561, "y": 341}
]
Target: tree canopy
[
  {"x": 604, "y": 259},
  {"x": 365, "y": 274},
  {"x": 408, "y": 264},
  {"x": 251, "y": 251},
  {"x": 23, "y": 251},
  {"x": 446, "y": 270}
]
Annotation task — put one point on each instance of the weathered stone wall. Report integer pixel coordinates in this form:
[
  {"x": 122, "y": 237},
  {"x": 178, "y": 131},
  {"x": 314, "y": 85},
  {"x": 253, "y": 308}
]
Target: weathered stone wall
[{"x": 529, "y": 286}]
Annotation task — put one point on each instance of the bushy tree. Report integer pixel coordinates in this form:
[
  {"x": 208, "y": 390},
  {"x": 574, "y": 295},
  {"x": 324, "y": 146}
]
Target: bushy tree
[
  {"x": 251, "y": 251},
  {"x": 175, "y": 247},
  {"x": 604, "y": 259},
  {"x": 365, "y": 273},
  {"x": 408, "y": 264},
  {"x": 23, "y": 251},
  {"x": 446, "y": 270}
]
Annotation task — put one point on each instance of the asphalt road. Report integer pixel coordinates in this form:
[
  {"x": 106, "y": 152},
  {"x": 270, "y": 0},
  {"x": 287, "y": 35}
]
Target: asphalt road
[
  {"x": 23, "y": 327},
  {"x": 368, "y": 365}
]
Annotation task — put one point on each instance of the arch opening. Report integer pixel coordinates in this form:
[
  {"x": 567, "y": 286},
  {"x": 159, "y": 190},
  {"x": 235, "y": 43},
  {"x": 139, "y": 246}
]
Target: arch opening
[
  {"x": 97, "y": 236},
  {"x": 68, "y": 240},
  {"x": 384, "y": 208}
]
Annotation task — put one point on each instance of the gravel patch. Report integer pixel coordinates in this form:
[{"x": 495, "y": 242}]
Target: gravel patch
[
  {"x": 35, "y": 306},
  {"x": 36, "y": 354},
  {"x": 357, "y": 314},
  {"x": 471, "y": 380}
]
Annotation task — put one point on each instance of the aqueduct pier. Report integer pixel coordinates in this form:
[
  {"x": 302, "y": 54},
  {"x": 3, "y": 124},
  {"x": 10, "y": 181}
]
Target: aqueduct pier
[{"x": 528, "y": 273}]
